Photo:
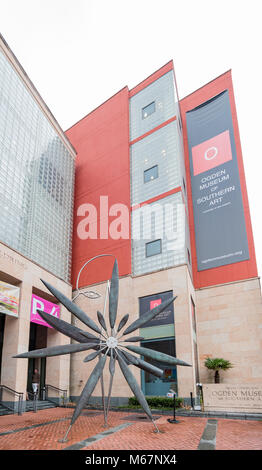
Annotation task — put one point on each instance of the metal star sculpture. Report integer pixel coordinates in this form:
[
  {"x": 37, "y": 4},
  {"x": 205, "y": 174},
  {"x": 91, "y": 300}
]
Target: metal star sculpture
[{"x": 107, "y": 344}]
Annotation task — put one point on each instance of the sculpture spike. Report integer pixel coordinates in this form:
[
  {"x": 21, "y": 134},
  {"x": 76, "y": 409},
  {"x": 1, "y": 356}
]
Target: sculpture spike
[
  {"x": 122, "y": 322},
  {"x": 134, "y": 386},
  {"x": 93, "y": 355},
  {"x": 157, "y": 355},
  {"x": 73, "y": 308},
  {"x": 89, "y": 387},
  {"x": 112, "y": 372},
  {"x": 113, "y": 295},
  {"x": 56, "y": 350},
  {"x": 134, "y": 339},
  {"x": 101, "y": 320},
  {"x": 143, "y": 364},
  {"x": 67, "y": 329}
]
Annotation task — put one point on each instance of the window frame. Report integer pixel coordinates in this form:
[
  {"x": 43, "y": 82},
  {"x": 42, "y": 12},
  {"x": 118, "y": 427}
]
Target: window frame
[
  {"x": 147, "y": 106},
  {"x": 150, "y": 179},
  {"x": 153, "y": 241}
]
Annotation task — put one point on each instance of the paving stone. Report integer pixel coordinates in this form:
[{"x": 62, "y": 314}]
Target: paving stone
[
  {"x": 239, "y": 434},
  {"x": 208, "y": 439},
  {"x": 44, "y": 429}
]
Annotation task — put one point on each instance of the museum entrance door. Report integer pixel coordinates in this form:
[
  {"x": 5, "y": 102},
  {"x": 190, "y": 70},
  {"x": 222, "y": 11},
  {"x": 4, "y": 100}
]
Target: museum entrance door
[
  {"x": 37, "y": 340},
  {"x": 2, "y": 329},
  {"x": 155, "y": 386}
]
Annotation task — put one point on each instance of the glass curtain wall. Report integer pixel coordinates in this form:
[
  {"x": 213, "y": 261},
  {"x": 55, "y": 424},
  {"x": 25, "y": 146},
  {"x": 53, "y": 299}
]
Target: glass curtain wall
[{"x": 36, "y": 178}]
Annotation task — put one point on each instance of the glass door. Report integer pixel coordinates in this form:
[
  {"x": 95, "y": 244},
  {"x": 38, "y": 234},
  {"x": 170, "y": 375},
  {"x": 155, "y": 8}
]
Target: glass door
[
  {"x": 155, "y": 386},
  {"x": 37, "y": 340},
  {"x": 2, "y": 329}
]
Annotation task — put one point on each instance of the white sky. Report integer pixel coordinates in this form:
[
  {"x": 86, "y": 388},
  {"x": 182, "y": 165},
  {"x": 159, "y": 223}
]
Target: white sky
[{"x": 79, "y": 53}]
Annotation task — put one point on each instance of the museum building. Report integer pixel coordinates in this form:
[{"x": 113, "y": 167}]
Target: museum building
[
  {"x": 37, "y": 164},
  {"x": 160, "y": 185},
  {"x": 156, "y": 182}
]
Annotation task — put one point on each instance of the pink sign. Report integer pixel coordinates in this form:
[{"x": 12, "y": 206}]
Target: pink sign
[
  {"x": 41, "y": 304},
  {"x": 211, "y": 153},
  {"x": 155, "y": 303}
]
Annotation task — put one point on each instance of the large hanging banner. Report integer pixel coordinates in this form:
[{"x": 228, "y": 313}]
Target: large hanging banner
[
  {"x": 220, "y": 229},
  {"x": 9, "y": 299},
  {"x": 44, "y": 305},
  {"x": 151, "y": 301}
]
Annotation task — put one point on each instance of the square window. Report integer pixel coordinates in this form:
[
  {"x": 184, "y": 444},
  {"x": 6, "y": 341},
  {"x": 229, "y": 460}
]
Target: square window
[
  {"x": 151, "y": 174},
  {"x": 148, "y": 110},
  {"x": 154, "y": 248}
]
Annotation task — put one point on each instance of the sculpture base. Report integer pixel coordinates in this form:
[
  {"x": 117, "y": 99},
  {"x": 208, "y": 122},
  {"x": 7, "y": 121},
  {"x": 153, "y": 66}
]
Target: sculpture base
[{"x": 173, "y": 420}]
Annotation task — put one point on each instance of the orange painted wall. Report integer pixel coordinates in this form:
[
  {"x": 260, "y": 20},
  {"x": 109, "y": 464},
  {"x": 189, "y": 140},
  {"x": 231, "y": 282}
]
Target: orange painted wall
[
  {"x": 101, "y": 140},
  {"x": 244, "y": 269}
]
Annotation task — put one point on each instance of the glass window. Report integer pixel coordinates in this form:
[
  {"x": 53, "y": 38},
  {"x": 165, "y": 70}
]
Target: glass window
[
  {"x": 148, "y": 110},
  {"x": 153, "y": 248},
  {"x": 161, "y": 100},
  {"x": 151, "y": 174},
  {"x": 160, "y": 386}
]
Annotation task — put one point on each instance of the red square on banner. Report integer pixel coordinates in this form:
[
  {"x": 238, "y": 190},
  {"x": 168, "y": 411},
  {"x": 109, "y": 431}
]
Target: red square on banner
[
  {"x": 211, "y": 153},
  {"x": 155, "y": 303}
]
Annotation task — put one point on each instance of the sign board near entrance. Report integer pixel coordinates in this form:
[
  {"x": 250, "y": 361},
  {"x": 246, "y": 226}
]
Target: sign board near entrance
[
  {"x": 9, "y": 299},
  {"x": 151, "y": 301},
  {"x": 235, "y": 397},
  {"x": 44, "y": 305}
]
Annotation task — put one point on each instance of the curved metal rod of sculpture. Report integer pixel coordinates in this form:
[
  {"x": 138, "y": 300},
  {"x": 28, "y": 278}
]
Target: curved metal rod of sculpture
[
  {"x": 107, "y": 344},
  {"x": 90, "y": 293}
]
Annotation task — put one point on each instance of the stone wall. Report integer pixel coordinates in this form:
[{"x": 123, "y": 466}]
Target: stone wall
[
  {"x": 229, "y": 325},
  {"x": 18, "y": 270},
  {"x": 233, "y": 397}
]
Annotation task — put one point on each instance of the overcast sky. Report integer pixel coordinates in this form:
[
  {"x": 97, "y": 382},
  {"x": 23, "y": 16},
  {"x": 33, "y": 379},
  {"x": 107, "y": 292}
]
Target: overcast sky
[{"x": 79, "y": 53}]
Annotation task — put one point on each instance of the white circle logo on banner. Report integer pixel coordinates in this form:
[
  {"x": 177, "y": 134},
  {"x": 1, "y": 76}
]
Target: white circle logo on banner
[{"x": 213, "y": 155}]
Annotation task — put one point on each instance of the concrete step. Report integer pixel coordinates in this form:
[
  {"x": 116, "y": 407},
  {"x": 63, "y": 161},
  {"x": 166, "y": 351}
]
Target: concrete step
[
  {"x": 41, "y": 405},
  {"x": 5, "y": 411}
]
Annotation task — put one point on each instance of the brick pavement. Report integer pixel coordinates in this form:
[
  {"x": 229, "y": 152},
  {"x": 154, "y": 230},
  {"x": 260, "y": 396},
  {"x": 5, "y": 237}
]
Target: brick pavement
[
  {"x": 42, "y": 430},
  {"x": 246, "y": 435},
  {"x": 184, "y": 435}
]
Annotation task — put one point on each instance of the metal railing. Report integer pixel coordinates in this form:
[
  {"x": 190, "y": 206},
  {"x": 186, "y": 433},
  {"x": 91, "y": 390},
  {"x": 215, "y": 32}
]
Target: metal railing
[
  {"x": 11, "y": 399},
  {"x": 61, "y": 400},
  {"x": 33, "y": 397}
]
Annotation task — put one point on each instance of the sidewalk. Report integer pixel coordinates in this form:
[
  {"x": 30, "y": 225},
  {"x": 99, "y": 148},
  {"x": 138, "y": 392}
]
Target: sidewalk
[{"x": 126, "y": 431}]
